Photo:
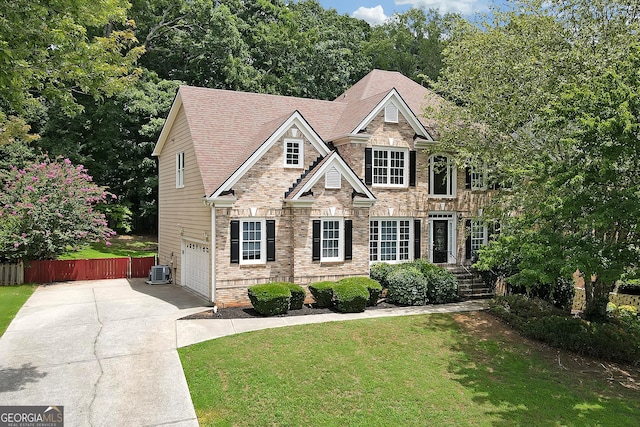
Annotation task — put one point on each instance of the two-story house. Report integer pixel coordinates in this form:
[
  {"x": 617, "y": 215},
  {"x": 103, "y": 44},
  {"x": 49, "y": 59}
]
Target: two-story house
[{"x": 256, "y": 188}]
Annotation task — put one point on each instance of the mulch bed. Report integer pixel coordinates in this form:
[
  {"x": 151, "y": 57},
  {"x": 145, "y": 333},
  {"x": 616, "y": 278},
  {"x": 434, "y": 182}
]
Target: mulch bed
[{"x": 249, "y": 312}]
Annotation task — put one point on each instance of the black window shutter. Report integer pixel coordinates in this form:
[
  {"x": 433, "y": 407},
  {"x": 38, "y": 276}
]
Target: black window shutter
[
  {"x": 271, "y": 240},
  {"x": 348, "y": 239},
  {"x": 235, "y": 241},
  {"x": 316, "y": 240},
  {"x": 416, "y": 238},
  {"x": 467, "y": 178},
  {"x": 368, "y": 166},
  {"x": 412, "y": 168},
  {"x": 467, "y": 245}
]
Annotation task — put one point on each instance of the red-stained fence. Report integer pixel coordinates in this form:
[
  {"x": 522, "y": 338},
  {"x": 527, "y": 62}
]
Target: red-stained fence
[{"x": 86, "y": 269}]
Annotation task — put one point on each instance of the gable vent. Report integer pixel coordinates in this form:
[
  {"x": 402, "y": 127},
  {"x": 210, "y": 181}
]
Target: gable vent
[
  {"x": 391, "y": 113},
  {"x": 333, "y": 178}
]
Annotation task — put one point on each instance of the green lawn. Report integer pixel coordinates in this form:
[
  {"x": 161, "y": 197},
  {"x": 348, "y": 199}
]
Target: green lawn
[
  {"x": 404, "y": 371},
  {"x": 11, "y": 299},
  {"x": 121, "y": 246}
]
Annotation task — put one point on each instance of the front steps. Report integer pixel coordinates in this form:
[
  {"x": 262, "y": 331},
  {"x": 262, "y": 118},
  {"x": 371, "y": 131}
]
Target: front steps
[{"x": 470, "y": 285}]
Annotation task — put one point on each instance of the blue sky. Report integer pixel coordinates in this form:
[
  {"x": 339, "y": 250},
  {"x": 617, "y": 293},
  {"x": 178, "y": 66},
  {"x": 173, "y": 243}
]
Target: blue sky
[{"x": 376, "y": 11}]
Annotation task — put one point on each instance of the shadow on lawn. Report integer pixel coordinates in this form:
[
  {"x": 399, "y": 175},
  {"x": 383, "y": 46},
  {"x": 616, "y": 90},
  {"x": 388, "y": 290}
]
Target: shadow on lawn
[{"x": 528, "y": 389}]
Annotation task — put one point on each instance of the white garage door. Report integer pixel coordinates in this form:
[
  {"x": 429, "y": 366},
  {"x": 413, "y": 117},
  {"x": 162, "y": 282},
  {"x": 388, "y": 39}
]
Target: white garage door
[{"x": 196, "y": 265}]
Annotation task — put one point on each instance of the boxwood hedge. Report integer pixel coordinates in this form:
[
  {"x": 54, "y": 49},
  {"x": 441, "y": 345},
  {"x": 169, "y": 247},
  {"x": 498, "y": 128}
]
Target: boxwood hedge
[
  {"x": 322, "y": 293},
  {"x": 350, "y": 297},
  {"x": 270, "y": 299},
  {"x": 373, "y": 286}
]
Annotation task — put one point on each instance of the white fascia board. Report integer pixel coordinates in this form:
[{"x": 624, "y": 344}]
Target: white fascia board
[
  {"x": 404, "y": 109},
  {"x": 346, "y": 172},
  {"x": 295, "y": 119},
  {"x": 166, "y": 128}
]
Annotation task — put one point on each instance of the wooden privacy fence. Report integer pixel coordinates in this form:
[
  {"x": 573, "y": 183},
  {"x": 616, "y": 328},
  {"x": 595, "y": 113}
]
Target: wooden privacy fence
[{"x": 80, "y": 269}]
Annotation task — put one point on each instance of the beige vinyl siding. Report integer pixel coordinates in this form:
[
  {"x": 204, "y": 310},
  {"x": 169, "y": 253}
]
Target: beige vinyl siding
[{"x": 180, "y": 209}]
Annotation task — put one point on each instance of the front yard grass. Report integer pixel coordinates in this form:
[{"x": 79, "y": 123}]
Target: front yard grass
[
  {"x": 11, "y": 299},
  {"x": 121, "y": 246},
  {"x": 403, "y": 371}
]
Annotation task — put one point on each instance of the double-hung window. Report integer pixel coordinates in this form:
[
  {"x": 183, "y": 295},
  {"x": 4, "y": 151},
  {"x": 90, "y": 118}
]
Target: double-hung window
[
  {"x": 293, "y": 153},
  {"x": 478, "y": 236},
  {"x": 389, "y": 240},
  {"x": 180, "y": 169},
  {"x": 390, "y": 167},
  {"x": 252, "y": 242},
  {"x": 331, "y": 240}
]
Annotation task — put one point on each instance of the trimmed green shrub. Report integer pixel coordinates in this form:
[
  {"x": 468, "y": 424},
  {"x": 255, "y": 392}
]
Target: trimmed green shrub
[
  {"x": 350, "y": 297},
  {"x": 407, "y": 286},
  {"x": 442, "y": 285},
  {"x": 372, "y": 286},
  {"x": 379, "y": 272},
  {"x": 616, "y": 340},
  {"x": 298, "y": 294},
  {"x": 323, "y": 293},
  {"x": 270, "y": 299}
]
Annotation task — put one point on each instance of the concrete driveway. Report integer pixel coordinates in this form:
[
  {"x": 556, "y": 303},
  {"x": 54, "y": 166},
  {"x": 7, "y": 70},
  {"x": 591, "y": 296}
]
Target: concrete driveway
[{"x": 105, "y": 350}]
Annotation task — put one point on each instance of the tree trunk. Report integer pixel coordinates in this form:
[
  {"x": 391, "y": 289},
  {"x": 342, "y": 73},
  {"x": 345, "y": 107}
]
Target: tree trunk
[{"x": 597, "y": 297}]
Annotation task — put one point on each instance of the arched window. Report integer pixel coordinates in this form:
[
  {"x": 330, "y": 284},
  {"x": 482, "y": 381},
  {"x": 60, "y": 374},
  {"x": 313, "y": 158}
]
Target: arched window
[{"x": 442, "y": 176}]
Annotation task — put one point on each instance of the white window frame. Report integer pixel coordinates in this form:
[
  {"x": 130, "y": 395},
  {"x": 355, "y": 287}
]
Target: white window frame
[
  {"x": 375, "y": 240},
  {"x": 340, "y": 256},
  {"x": 479, "y": 234},
  {"x": 391, "y": 113},
  {"x": 180, "y": 169},
  {"x": 300, "y": 154},
  {"x": 478, "y": 178},
  {"x": 262, "y": 241},
  {"x": 388, "y": 167},
  {"x": 451, "y": 178}
]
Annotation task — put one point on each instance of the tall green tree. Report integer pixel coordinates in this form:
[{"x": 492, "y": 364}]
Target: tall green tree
[
  {"x": 114, "y": 139},
  {"x": 268, "y": 46},
  {"x": 411, "y": 43},
  {"x": 549, "y": 95},
  {"x": 51, "y": 51}
]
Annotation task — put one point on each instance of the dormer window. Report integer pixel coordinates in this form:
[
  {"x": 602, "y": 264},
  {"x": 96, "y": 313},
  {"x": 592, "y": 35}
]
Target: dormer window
[
  {"x": 293, "y": 153},
  {"x": 332, "y": 179},
  {"x": 391, "y": 113}
]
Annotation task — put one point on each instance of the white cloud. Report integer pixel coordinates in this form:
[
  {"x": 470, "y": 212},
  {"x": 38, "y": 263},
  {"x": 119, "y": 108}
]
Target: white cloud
[
  {"x": 373, "y": 15},
  {"x": 463, "y": 7}
]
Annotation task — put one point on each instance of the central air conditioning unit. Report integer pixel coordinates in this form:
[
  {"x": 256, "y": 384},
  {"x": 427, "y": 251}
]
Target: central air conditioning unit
[{"x": 159, "y": 275}]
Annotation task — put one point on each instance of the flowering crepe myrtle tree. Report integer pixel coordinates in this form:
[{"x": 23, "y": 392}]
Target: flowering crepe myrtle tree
[{"x": 48, "y": 208}]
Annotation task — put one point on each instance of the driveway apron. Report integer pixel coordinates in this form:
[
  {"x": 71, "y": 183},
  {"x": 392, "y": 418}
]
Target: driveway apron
[{"x": 104, "y": 349}]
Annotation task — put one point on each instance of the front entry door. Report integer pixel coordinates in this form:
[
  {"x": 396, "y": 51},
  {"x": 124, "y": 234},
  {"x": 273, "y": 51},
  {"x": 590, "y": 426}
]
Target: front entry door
[{"x": 440, "y": 241}]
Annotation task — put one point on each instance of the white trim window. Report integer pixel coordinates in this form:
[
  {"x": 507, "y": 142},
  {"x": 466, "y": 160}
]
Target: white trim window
[
  {"x": 442, "y": 176},
  {"x": 331, "y": 240},
  {"x": 390, "y": 239},
  {"x": 478, "y": 177},
  {"x": 478, "y": 235},
  {"x": 180, "y": 169},
  {"x": 253, "y": 246},
  {"x": 390, "y": 167},
  {"x": 293, "y": 153}
]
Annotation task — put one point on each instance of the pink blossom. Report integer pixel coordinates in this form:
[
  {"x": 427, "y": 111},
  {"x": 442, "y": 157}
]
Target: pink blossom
[
  {"x": 108, "y": 243},
  {"x": 34, "y": 178},
  {"x": 15, "y": 245},
  {"x": 67, "y": 161}
]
